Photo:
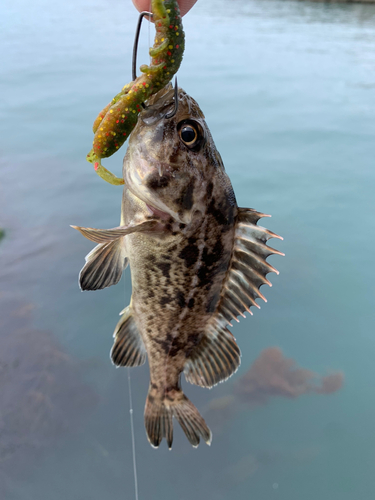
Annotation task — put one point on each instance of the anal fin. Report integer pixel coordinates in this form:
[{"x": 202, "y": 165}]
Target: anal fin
[
  {"x": 214, "y": 359},
  {"x": 104, "y": 266},
  {"x": 128, "y": 348}
]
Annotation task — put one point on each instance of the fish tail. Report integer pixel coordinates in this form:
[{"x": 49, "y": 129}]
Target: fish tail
[{"x": 159, "y": 411}]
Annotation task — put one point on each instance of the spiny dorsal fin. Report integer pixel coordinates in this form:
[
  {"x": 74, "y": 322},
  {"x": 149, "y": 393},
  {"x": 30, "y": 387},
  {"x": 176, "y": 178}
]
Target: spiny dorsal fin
[
  {"x": 248, "y": 267},
  {"x": 128, "y": 348},
  {"x": 215, "y": 358},
  {"x": 104, "y": 266}
]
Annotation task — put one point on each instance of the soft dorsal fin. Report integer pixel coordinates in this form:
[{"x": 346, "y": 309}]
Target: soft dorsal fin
[
  {"x": 215, "y": 358},
  {"x": 128, "y": 348},
  {"x": 248, "y": 267}
]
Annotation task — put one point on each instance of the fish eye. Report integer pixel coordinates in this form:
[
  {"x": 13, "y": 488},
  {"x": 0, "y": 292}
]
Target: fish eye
[{"x": 190, "y": 133}]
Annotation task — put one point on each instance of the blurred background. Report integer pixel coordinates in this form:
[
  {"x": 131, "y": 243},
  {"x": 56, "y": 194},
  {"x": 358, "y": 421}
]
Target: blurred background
[{"x": 288, "y": 90}]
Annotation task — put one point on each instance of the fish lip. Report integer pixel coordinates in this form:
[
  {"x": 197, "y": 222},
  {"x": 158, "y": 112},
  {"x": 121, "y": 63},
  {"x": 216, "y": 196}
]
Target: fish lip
[{"x": 158, "y": 213}]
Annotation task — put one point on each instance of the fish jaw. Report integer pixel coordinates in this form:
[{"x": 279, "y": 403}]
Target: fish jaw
[
  {"x": 146, "y": 177},
  {"x": 158, "y": 213}
]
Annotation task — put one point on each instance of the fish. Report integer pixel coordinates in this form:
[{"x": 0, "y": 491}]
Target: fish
[{"x": 197, "y": 262}]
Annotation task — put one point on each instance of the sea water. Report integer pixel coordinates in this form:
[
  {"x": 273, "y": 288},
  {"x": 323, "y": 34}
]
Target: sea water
[{"x": 288, "y": 90}]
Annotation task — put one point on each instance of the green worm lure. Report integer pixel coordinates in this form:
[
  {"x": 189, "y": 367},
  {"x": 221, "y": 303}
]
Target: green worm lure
[{"x": 116, "y": 121}]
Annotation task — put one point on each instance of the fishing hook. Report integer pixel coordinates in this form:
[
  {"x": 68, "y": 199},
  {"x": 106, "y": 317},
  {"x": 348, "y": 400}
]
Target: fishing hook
[
  {"x": 172, "y": 113},
  {"x": 135, "y": 46}
]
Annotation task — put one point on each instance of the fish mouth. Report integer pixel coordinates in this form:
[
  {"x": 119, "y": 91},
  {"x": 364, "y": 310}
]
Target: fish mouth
[
  {"x": 158, "y": 213},
  {"x": 157, "y": 208}
]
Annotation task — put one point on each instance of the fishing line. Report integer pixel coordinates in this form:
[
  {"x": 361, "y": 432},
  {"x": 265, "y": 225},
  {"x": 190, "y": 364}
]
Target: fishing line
[
  {"x": 149, "y": 31},
  {"x": 132, "y": 429},
  {"x": 129, "y": 378},
  {"x": 133, "y": 436}
]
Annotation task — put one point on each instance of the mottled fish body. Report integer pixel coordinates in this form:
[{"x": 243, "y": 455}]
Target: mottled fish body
[{"x": 197, "y": 262}]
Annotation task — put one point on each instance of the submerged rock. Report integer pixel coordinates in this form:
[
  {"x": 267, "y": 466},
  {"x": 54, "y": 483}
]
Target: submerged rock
[{"x": 42, "y": 393}]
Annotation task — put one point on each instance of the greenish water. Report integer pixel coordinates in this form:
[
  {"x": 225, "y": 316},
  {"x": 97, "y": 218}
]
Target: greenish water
[{"x": 288, "y": 89}]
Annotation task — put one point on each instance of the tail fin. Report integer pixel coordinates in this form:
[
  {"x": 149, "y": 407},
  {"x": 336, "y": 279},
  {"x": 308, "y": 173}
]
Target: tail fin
[{"x": 158, "y": 419}]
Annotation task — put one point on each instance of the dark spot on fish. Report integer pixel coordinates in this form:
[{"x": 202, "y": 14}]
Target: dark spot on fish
[
  {"x": 165, "y": 300},
  {"x": 192, "y": 341},
  {"x": 170, "y": 391},
  {"x": 193, "y": 338},
  {"x": 205, "y": 276},
  {"x": 157, "y": 182},
  {"x": 209, "y": 190},
  {"x": 218, "y": 249},
  {"x": 151, "y": 399},
  {"x": 190, "y": 253},
  {"x": 211, "y": 258},
  {"x": 212, "y": 303},
  {"x": 223, "y": 214},
  {"x": 165, "y": 268},
  {"x": 173, "y": 248},
  {"x": 165, "y": 344},
  {"x": 182, "y": 226},
  {"x": 174, "y": 156},
  {"x": 154, "y": 386},
  {"x": 148, "y": 330},
  {"x": 150, "y": 317},
  {"x": 169, "y": 388},
  {"x": 186, "y": 198},
  {"x": 191, "y": 303},
  {"x": 180, "y": 298},
  {"x": 174, "y": 350},
  {"x": 150, "y": 292}
]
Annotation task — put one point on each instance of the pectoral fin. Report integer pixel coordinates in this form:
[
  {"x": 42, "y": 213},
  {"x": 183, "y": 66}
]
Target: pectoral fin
[
  {"x": 104, "y": 266},
  {"x": 106, "y": 262},
  {"x": 105, "y": 235}
]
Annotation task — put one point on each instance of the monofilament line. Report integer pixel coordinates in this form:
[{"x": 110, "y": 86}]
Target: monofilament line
[{"x": 133, "y": 437}]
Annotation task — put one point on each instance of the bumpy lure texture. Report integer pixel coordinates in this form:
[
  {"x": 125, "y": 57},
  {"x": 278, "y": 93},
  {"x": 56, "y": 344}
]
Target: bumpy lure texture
[{"x": 116, "y": 121}]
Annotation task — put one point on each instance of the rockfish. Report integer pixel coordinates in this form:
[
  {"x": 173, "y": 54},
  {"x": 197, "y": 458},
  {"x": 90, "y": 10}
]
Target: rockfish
[{"x": 197, "y": 262}]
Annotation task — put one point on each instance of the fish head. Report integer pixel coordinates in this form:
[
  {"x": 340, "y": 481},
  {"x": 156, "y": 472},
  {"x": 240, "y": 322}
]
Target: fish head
[{"x": 171, "y": 161}]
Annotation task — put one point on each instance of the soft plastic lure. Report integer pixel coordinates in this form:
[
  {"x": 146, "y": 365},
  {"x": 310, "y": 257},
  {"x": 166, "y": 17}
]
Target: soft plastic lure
[{"x": 116, "y": 121}]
